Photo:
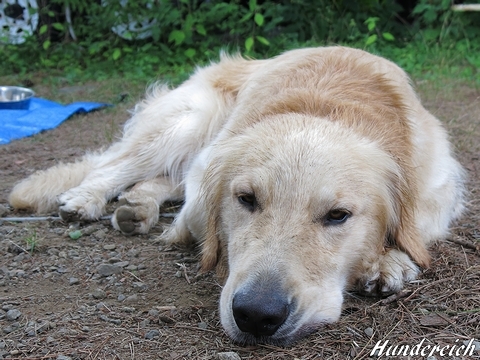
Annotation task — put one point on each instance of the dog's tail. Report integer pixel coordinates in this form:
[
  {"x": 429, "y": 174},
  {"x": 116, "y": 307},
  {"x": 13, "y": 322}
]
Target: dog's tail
[{"x": 40, "y": 190}]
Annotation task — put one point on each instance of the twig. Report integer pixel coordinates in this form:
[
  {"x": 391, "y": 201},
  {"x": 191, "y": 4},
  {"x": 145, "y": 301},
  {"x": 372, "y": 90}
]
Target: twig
[
  {"x": 43, "y": 218},
  {"x": 18, "y": 246},
  {"x": 397, "y": 296},
  {"x": 135, "y": 276},
  {"x": 32, "y": 218},
  {"x": 49, "y": 356},
  {"x": 58, "y": 218},
  {"x": 465, "y": 244},
  {"x": 194, "y": 328},
  {"x": 184, "y": 268}
]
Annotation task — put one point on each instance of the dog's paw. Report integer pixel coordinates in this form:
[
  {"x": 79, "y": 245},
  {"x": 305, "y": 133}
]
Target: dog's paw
[
  {"x": 388, "y": 274},
  {"x": 134, "y": 218},
  {"x": 75, "y": 205}
]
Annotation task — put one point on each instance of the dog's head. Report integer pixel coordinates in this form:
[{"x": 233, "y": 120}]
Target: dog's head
[{"x": 293, "y": 204}]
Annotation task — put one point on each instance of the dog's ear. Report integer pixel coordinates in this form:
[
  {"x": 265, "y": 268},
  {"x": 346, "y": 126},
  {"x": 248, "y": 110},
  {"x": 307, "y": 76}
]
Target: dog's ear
[
  {"x": 214, "y": 252},
  {"x": 403, "y": 228}
]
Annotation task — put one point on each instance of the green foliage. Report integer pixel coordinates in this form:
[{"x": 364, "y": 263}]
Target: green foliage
[
  {"x": 187, "y": 32},
  {"x": 32, "y": 242},
  {"x": 372, "y": 38}
]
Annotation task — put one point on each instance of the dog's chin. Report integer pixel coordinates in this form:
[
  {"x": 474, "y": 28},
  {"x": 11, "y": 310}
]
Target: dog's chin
[
  {"x": 278, "y": 339},
  {"x": 287, "y": 335}
]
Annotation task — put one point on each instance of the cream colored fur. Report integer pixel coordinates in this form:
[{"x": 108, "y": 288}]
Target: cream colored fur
[{"x": 318, "y": 171}]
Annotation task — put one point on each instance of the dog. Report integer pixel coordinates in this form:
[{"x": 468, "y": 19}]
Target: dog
[{"x": 303, "y": 176}]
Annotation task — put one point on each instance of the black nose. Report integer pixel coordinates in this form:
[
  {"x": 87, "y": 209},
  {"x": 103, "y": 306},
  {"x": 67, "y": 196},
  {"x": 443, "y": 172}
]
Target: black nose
[{"x": 260, "y": 310}]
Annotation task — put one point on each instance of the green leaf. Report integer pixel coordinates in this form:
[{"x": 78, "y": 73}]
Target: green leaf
[
  {"x": 116, "y": 54},
  {"x": 371, "y": 39},
  {"x": 262, "y": 40},
  {"x": 371, "y": 23},
  {"x": 156, "y": 33},
  {"x": 176, "y": 36},
  {"x": 127, "y": 35},
  {"x": 75, "y": 235},
  {"x": 259, "y": 19},
  {"x": 252, "y": 4},
  {"x": 51, "y": 13},
  {"x": 43, "y": 29},
  {"x": 201, "y": 29},
  {"x": 58, "y": 26},
  {"x": 46, "y": 44},
  {"x": 190, "y": 53},
  {"x": 245, "y": 17},
  {"x": 249, "y": 43},
  {"x": 387, "y": 36}
]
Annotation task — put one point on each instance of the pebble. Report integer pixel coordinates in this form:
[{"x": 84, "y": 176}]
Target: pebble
[
  {"x": 128, "y": 309},
  {"x": 73, "y": 281},
  {"x": 13, "y": 314},
  {"x": 474, "y": 343},
  {"x": 63, "y": 357},
  {"x": 100, "y": 234},
  {"x": 144, "y": 323},
  {"x": 10, "y": 328},
  {"x": 203, "y": 325},
  {"x": 140, "y": 285},
  {"x": 110, "y": 246},
  {"x": 121, "y": 297},
  {"x": 153, "y": 312},
  {"x": 50, "y": 340},
  {"x": 99, "y": 294},
  {"x": 3, "y": 210},
  {"x": 72, "y": 253},
  {"x": 229, "y": 355},
  {"x": 132, "y": 298},
  {"x": 368, "y": 331},
  {"x": 122, "y": 264},
  {"x": 22, "y": 256},
  {"x": 152, "y": 334},
  {"x": 108, "y": 269}
]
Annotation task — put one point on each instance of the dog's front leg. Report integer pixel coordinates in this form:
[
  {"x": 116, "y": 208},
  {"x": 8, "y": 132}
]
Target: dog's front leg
[{"x": 139, "y": 207}]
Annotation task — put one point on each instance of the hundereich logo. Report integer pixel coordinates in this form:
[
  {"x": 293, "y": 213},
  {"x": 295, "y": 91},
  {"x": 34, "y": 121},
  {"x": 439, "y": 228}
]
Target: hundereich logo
[{"x": 459, "y": 348}]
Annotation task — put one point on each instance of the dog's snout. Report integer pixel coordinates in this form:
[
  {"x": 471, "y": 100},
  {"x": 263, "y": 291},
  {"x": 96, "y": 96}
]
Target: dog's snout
[{"x": 260, "y": 313}]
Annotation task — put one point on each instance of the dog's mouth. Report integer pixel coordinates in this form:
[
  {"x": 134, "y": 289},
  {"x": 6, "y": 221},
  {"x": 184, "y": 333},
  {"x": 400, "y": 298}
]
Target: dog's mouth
[{"x": 287, "y": 334}]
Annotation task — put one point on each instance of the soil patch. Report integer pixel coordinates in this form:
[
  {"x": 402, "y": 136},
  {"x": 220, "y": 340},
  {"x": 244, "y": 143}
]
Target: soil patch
[{"x": 107, "y": 296}]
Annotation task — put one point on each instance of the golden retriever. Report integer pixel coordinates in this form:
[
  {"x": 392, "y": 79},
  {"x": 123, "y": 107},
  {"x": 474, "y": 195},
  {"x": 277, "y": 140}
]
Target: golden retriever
[{"x": 304, "y": 176}]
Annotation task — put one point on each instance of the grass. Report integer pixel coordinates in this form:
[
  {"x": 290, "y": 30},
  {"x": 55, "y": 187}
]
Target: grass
[
  {"x": 32, "y": 242},
  {"x": 421, "y": 59}
]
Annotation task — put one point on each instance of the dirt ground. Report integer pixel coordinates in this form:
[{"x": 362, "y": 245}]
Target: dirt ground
[{"x": 108, "y": 296}]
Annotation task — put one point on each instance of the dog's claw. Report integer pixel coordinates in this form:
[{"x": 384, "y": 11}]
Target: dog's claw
[{"x": 69, "y": 216}]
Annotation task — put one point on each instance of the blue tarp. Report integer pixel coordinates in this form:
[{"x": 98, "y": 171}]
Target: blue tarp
[{"x": 41, "y": 115}]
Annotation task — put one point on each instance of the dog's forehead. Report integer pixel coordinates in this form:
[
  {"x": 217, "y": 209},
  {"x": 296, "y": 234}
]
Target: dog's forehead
[
  {"x": 312, "y": 184},
  {"x": 307, "y": 158}
]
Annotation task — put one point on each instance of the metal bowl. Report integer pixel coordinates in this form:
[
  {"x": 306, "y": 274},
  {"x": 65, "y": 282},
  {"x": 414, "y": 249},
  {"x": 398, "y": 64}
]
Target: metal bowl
[{"x": 15, "y": 97}]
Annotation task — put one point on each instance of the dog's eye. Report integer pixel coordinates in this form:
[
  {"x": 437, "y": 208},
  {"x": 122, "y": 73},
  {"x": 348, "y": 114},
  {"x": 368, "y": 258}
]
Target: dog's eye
[
  {"x": 336, "y": 216},
  {"x": 248, "y": 201}
]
